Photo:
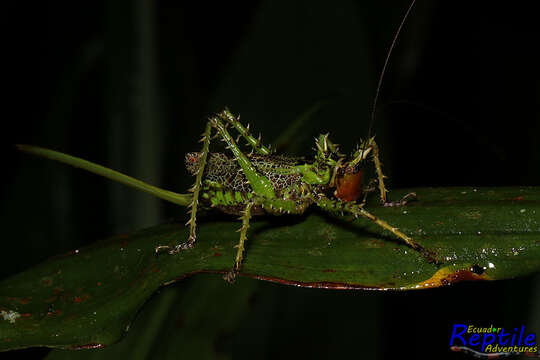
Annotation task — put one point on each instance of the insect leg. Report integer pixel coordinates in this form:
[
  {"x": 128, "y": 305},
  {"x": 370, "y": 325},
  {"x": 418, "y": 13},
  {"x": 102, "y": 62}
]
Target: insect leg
[
  {"x": 404, "y": 200},
  {"x": 371, "y": 144},
  {"x": 368, "y": 190},
  {"x": 256, "y": 144},
  {"x": 246, "y": 215},
  {"x": 259, "y": 183},
  {"x": 195, "y": 199},
  {"x": 380, "y": 177},
  {"x": 325, "y": 147},
  {"x": 273, "y": 206},
  {"x": 357, "y": 210}
]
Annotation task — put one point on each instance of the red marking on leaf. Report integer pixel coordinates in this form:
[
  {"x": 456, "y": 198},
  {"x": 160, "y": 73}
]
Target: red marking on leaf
[
  {"x": 457, "y": 276},
  {"x": 217, "y": 254},
  {"x": 79, "y": 299},
  {"x": 461, "y": 275},
  {"x": 329, "y": 270},
  {"x": 517, "y": 198}
]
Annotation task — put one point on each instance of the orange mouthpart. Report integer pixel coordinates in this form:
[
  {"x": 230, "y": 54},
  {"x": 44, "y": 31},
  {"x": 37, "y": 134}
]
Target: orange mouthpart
[{"x": 349, "y": 186}]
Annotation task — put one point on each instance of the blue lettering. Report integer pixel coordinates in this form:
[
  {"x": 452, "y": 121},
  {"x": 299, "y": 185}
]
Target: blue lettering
[
  {"x": 530, "y": 342},
  {"x": 454, "y": 335},
  {"x": 521, "y": 334},
  {"x": 474, "y": 340},
  {"x": 484, "y": 343},
  {"x": 513, "y": 338},
  {"x": 501, "y": 336}
]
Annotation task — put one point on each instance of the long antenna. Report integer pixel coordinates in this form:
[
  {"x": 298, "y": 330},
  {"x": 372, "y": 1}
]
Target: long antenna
[{"x": 374, "y": 108}]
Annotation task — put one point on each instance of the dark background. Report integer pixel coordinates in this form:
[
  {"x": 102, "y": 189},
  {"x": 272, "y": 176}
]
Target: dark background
[{"x": 128, "y": 84}]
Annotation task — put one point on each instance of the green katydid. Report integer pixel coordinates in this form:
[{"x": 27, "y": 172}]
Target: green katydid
[{"x": 264, "y": 183}]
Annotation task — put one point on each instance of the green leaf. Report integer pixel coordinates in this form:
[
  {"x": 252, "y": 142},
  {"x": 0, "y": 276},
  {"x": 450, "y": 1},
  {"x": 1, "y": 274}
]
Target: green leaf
[
  {"x": 184, "y": 322},
  {"x": 89, "y": 297}
]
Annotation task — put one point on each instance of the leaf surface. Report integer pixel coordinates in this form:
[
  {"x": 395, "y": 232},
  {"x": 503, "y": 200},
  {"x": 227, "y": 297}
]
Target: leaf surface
[{"x": 89, "y": 297}]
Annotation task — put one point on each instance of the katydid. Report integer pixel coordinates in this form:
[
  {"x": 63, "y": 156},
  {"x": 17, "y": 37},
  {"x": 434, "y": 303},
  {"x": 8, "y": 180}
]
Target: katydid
[{"x": 262, "y": 182}]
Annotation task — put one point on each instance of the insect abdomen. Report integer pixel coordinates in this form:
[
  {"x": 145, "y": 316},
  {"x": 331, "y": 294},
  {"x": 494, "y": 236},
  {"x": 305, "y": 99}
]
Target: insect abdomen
[
  {"x": 230, "y": 202},
  {"x": 226, "y": 197}
]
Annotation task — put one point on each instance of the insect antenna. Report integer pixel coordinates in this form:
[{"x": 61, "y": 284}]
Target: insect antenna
[{"x": 381, "y": 76}]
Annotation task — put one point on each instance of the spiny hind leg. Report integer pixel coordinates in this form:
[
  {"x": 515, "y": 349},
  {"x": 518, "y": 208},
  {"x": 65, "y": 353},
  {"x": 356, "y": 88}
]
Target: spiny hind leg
[
  {"x": 260, "y": 184},
  {"x": 195, "y": 199},
  {"x": 337, "y": 206},
  {"x": 243, "y": 131},
  {"x": 371, "y": 144}
]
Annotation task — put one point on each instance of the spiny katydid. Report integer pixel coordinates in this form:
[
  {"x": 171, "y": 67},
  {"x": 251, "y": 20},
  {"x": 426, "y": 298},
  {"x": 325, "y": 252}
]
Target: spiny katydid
[{"x": 265, "y": 183}]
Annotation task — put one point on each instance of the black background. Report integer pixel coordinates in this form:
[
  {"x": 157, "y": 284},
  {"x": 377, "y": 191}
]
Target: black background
[{"x": 128, "y": 84}]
